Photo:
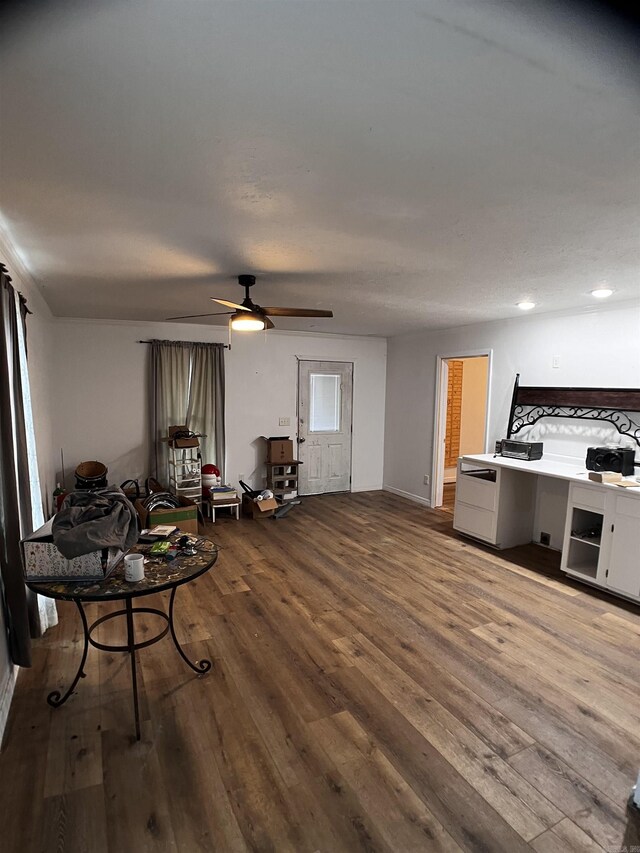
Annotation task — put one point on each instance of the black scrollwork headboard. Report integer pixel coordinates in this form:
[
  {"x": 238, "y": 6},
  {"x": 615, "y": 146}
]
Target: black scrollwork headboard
[{"x": 613, "y": 405}]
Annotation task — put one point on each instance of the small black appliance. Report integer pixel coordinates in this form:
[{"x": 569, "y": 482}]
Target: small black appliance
[
  {"x": 525, "y": 450},
  {"x": 618, "y": 459}
]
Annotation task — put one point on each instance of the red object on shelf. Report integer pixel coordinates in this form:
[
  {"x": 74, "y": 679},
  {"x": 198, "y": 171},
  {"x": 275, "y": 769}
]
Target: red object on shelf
[
  {"x": 211, "y": 469},
  {"x": 59, "y": 495}
]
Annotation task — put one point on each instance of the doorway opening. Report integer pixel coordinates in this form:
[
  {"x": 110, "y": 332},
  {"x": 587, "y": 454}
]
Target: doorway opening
[
  {"x": 325, "y": 412},
  {"x": 461, "y": 419}
]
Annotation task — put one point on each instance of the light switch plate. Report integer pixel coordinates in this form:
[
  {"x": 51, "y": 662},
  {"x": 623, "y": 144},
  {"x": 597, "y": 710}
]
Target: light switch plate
[{"x": 284, "y": 421}]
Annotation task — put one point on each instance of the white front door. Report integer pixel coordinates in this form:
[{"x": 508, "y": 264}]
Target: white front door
[{"x": 324, "y": 426}]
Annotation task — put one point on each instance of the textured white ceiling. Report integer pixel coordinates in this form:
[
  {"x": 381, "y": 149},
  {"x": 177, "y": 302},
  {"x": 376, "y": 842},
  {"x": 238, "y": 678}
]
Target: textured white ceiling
[{"x": 406, "y": 164}]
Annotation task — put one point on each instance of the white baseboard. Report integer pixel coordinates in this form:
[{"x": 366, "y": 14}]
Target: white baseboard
[
  {"x": 377, "y": 487},
  {"x": 408, "y": 495},
  {"x": 6, "y": 695}
]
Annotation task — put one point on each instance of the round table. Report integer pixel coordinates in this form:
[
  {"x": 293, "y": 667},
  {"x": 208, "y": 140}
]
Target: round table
[{"x": 160, "y": 575}]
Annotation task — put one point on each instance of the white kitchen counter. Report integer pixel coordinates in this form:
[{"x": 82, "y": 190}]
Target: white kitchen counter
[
  {"x": 499, "y": 501},
  {"x": 560, "y": 467}
]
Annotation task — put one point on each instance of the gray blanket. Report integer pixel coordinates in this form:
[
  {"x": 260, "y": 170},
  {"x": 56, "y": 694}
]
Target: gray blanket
[{"x": 90, "y": 521}]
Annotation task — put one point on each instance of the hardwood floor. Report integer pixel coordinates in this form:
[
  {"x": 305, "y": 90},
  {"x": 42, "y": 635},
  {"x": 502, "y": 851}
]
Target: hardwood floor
[
  {"x": 379, "y": 684},
  {"x": 448, "y": 498}
]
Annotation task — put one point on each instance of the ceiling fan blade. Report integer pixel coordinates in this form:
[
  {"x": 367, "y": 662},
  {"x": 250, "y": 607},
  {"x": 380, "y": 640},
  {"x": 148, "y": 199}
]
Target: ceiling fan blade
[
  {"x": 231, "y": 304},
  {"x": 190, "y": 316},
  {"x": 268, "y": 324},
  {"x": 296, "y": 312}
]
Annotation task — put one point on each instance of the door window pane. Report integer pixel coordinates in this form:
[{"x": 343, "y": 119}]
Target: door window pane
[{"x": 324, "y": 407}]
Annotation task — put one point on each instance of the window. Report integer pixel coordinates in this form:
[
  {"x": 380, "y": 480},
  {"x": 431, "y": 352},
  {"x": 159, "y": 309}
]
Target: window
[
  {"x": 325, "y": 402},
  {"x": 187, "y": 387}
]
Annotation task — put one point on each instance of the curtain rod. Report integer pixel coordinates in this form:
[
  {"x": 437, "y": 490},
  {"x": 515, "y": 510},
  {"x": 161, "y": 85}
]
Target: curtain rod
[{"x": 187, "y": 343}]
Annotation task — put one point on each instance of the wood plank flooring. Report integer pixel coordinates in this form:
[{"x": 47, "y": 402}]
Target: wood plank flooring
[
  {"x": 448, "y": 498},
  {"x": 379, "y": 684}
]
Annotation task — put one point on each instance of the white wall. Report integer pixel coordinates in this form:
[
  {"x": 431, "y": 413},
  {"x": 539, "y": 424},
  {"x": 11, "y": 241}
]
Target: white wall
[
  {"x": 600, "y": 347},
  {"x": 100, "y": 394}
]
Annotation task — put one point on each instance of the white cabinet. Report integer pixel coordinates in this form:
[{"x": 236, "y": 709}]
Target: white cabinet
[
  {"x": 602, "y": 539},
  {"x": 623, "y": 539},
  {"x": 494, "y": 504}
]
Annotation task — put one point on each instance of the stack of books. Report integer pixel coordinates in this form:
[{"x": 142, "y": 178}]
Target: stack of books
[{"x": 223, "y": 493}]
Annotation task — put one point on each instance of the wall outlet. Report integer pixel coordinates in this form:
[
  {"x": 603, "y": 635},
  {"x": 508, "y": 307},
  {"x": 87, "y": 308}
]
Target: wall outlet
[
  {"x": 426, "y": 479},
  {"x": 240, "y": 477},
  {"x": 284, "y": 421},
  {"x": 555, "y": 361},
  {"x": 545, "y": 538}
]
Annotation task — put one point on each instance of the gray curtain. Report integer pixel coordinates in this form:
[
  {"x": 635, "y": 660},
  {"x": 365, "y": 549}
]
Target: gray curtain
[
  {"x": 15, "y": 496},
  {"x": 205, "y": 412},
  {"x": 186, "y": 387},
  {"x": 170, "y": 367}
]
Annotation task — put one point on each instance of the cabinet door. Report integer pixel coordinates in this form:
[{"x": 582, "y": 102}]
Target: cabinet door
[
  {"x": 624, "y": 556},
  {"x": 475, "y": 522}
]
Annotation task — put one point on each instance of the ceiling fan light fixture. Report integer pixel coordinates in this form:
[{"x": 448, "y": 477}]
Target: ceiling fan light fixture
[
  {"x": 249, "y": 317},
  {"x": 247, "y": 321}
]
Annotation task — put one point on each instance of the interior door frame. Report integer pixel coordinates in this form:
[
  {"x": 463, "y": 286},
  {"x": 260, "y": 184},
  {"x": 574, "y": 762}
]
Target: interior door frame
[
  {"x": 325, "y": 360},
  {"x": 440, "y": 416}
]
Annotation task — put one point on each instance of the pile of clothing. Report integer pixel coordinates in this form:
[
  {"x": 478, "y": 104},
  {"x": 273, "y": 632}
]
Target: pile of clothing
[{"x": 91, "y": 521}]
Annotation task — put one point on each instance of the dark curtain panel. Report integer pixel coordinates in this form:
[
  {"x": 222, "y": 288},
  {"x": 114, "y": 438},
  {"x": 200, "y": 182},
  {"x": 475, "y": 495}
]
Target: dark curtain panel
[
  {"x": 205, "y": 413},
  {"x": 26, "y": 512},
  {"x": 169, "y": 389},
  {"x": 15, "y": 497},
  {"x": 186, "y": 386},
  {"x": 23, "y": 314}
]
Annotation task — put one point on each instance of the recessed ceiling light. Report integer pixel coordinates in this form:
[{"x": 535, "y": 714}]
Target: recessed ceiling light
[
  {"x": 526, "y": 306},
  {"x": 602, "y": 292}
]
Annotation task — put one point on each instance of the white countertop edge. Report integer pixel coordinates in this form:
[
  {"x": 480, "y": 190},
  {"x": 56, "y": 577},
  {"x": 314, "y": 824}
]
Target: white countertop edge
[{"x": 561, "y": 467}]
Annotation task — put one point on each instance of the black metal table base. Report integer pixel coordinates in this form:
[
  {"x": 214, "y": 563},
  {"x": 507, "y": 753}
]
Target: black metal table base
[{"x": 56, "y": 698}]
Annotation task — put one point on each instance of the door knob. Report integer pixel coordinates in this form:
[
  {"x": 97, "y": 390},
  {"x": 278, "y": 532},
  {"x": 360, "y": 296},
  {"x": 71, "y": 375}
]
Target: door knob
[{"x": 301, "y": 440}]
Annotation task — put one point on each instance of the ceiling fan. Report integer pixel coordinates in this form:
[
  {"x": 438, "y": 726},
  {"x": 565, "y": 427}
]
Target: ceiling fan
[{"x": 250, "y": 317}]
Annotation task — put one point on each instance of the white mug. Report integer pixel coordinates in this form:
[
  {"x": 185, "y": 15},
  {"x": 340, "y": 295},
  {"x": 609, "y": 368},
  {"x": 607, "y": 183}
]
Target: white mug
[{"x": 134, "y": 567}]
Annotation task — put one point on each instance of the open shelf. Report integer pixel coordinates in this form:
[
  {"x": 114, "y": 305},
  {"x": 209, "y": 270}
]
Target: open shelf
[
  {"x": 586, "y": 569},
  {"x": 584, "y": 542},
  {"x": 586, "y": 525},
  {"x": 583, "y": 558},
  {"x": 595, "y": 541}
]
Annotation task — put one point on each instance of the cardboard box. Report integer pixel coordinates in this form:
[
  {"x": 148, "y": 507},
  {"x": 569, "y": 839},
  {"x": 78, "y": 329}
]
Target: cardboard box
[
  {"x": 258, "y": 509},
  {"x": 279, "y": 450},
  {"x": 184, "y": 516},
  {"x": 181, "y": 442},
  {"x": 43, "y": 562}
]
